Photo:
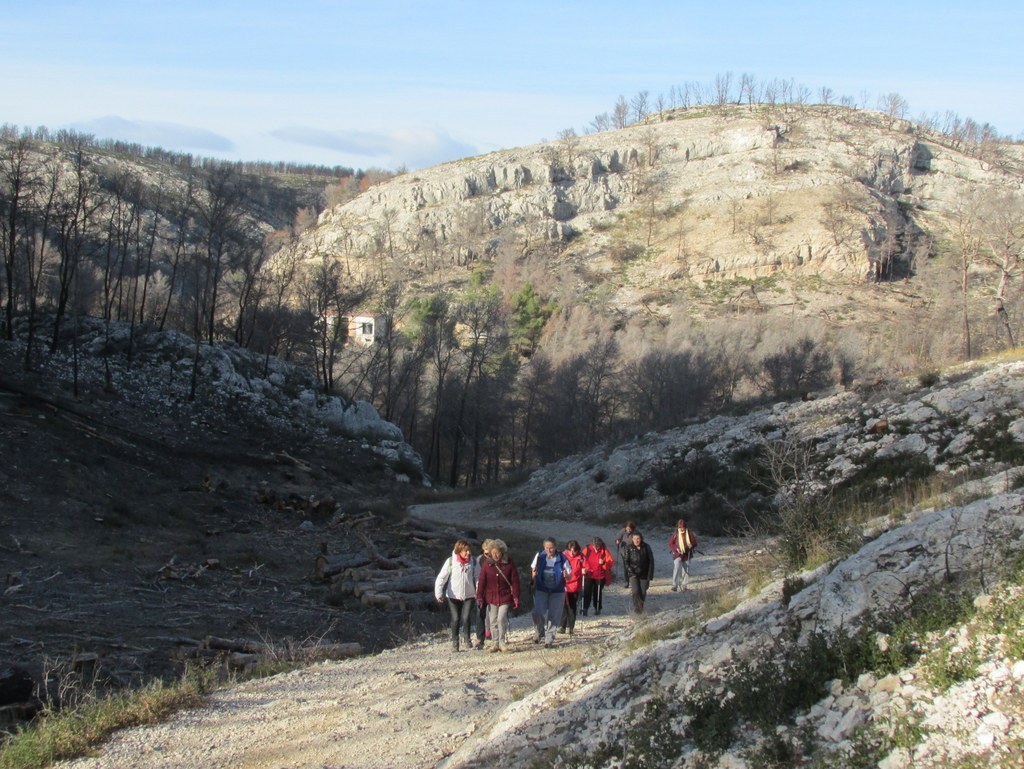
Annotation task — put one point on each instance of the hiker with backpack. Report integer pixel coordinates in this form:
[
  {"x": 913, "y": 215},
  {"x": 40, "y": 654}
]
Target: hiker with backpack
[
  {"x": 682, "y": 543},
  {"x": 456, "y": 583},
  {"x": 550, "y": 570}
]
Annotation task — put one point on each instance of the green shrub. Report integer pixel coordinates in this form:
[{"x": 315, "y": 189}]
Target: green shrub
[{"x": 995, "y": 439}]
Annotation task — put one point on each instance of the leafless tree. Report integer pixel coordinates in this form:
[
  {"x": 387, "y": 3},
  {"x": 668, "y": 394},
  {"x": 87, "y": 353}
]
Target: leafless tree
[
  {"x": 220, "y": 214},
  {"x": 967, "y": 248},
  {"x": 602, "y": 122},
  {"x": 723, "y": 89},
  {"x": 569, "y": 148},
  {"x": 748, "y": 89},
  {"x": 480, "y": 319},
  {"x": 37, "y": 250},
  {"x": 639, "y": 106},
  {"x": 17, "y": 175},
  {"x": 620, "y": 113},
  {"x": 894, "y": 107},
  {"x": 181, "y": 213},
  {"x": 1002, "y": 228},
  {"x": 75, "y": 221},
  {"x": 660, "y": 105},
  {"x": 328, "y": 299},
  {"x": 796, "y": 369}
]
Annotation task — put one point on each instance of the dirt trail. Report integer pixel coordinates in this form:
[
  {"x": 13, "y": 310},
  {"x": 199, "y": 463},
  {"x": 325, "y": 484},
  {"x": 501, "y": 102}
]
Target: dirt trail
[{"x": 407, "y": 707}]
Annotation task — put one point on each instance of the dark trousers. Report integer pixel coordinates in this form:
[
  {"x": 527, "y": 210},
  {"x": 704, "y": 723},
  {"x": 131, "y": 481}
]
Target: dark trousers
[
  {"x": 593, "y": 593},
  {"x": 462, "y": 620},
  {"x": 638, "y": 588},
  {"x": 482, "y": 624},
  {"x": 572, "y": 601}
]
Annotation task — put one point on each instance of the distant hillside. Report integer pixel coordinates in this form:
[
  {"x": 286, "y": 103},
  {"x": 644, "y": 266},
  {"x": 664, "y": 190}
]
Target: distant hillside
[{"x": 644, "y": 220}]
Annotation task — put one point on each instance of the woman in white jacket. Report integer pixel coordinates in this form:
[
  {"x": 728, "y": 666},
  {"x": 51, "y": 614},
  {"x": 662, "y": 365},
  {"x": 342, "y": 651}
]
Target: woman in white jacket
[{"x": 456, "y": 583}]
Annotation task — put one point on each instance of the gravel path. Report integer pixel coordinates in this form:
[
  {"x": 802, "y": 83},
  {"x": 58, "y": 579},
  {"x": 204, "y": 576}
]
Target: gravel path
[{"x": 408, "y": 707}]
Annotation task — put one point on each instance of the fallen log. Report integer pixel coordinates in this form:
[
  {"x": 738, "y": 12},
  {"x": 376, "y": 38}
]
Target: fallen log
[
  {"x": 242, "y": 661},
  {"x": 411, "y": 584},
  {"x": 229, "y": 645},
  {"x": 326, "y": 566},
  {"x": 374, "y": 554},
  {"x": 369, "y": 573}
]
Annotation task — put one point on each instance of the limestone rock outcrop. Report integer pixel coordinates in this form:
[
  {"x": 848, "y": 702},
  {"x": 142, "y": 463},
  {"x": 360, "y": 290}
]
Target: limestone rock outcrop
[{"x": 702, "y": 195}]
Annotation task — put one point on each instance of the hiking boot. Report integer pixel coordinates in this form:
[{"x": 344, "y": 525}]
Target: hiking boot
[{"x": 675, "y": 589}]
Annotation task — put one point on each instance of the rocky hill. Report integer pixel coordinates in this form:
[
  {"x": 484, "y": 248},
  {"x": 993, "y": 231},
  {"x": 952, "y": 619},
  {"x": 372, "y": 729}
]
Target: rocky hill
[
  {"x": 641, "y": 217},
  {"x": 968, "y": 422},
  {"x": 136, "y": 521}
]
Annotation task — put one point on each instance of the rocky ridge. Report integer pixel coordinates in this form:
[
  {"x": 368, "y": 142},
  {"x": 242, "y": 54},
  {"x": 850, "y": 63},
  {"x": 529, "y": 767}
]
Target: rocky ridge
[
  {"x": 970, "y": 418},
  {"x": 700, "y": 195},
  {"x": 153, "y": 368}
]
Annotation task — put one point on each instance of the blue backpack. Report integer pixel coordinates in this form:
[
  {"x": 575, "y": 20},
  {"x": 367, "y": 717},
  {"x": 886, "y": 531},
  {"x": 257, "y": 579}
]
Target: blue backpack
[{"x": 560, "y": 561}]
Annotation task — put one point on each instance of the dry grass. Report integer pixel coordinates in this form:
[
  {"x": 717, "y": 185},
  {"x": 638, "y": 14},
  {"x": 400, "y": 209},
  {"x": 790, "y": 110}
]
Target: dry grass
[{"x": 74, "y": 731}]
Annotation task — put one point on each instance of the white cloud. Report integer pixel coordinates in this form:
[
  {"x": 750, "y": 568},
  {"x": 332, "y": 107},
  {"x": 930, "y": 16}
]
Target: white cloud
[
  {"x": 156, "y": 134},
  {"x": 411, "y": 147}
]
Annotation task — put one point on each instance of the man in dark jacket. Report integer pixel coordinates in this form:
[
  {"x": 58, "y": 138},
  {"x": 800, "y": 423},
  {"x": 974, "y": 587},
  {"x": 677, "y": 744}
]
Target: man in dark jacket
[
  {"x": 622, "y": 541},
  {"x": 638, "y": 564}
]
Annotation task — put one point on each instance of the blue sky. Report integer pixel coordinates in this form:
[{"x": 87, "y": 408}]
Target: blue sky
[{"x": 386, "y": 83}]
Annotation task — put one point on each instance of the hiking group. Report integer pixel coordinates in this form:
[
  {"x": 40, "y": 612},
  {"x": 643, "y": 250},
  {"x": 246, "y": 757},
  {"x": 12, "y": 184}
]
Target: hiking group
[{"x": 481, "y": 591}]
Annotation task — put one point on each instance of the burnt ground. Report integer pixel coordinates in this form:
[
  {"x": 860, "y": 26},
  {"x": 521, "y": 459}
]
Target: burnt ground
[{"x": 133, "y": 527}]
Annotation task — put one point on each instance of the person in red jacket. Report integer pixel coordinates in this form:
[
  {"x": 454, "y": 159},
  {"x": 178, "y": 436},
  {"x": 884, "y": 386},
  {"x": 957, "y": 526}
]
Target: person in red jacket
[
  {"x": 597, "y": 572},
  {"x": 498, "y": 587},
  {"x": 682, "y": 543},
  {"x": 573, "y": 586}
]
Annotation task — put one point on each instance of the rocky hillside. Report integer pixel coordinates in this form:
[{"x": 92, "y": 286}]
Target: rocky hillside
[
  {"x": 137, "y": 521},
  {"x": 966, "y": 423},
  {"x": 642, "y": 215}
]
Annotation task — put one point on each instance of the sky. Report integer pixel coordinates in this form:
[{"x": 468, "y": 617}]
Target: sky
[{"x": 388, "y": 84}]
